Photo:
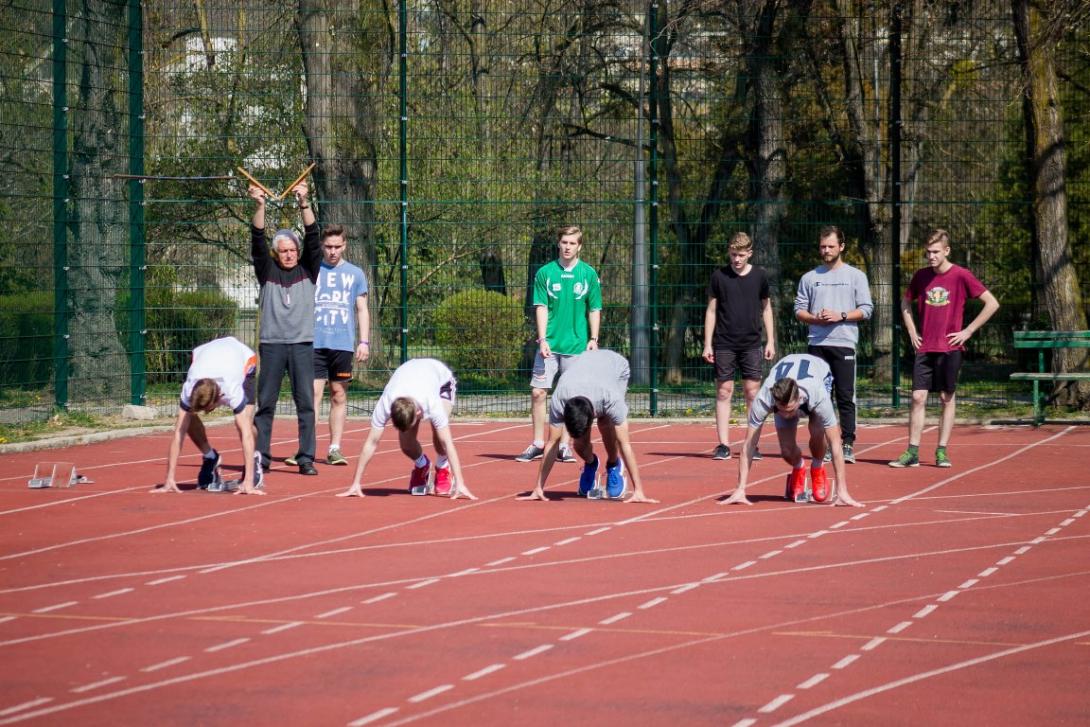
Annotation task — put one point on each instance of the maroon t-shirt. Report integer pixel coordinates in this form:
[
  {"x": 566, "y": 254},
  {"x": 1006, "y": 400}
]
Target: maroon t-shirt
[{"x": 941, "y": 304}]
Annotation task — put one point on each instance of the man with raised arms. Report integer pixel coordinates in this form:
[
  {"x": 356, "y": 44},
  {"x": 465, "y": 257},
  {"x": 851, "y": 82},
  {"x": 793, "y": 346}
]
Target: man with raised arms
[
  {"x": 222, "y": 374},
  {"x": 593, "y": 386},
  {"x": 421, "y": 388},
  {"x": 799, "y": 384}
]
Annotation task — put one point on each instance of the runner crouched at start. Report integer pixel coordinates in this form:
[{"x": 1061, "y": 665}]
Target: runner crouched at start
[{"x": 421, "y": 388}]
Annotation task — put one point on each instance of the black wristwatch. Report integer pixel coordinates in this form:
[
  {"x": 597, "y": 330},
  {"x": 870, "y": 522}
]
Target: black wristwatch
[{"x": 843, "y": 315}]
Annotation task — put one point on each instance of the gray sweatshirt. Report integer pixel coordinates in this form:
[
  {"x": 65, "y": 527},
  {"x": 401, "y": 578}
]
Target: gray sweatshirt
[{"x": 844, "y": 289}]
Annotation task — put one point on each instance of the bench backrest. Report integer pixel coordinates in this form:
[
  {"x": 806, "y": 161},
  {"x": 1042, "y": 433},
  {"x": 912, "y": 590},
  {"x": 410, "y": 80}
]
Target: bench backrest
[{"x": 1052, "y": 339}]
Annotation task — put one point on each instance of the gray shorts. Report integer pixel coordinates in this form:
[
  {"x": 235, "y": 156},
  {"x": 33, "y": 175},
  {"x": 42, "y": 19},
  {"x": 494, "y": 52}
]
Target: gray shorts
[{"x": 547, "y": 369}]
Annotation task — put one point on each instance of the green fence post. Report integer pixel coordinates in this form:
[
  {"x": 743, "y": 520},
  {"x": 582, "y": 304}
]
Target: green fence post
[
  {"x": 895, "y": 196},
  {"x": 137, "y": 261},
  {"x": 60, "y": 204},
  {"x": 653, "y": 215},
  {"x": 403, "y": 123}
]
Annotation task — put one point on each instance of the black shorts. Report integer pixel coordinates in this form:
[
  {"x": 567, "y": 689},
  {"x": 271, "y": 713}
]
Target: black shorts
[
  {"x": 332, "y": 365},
  {"x": 747, "y": 360},
  {"x": 936, "y": 371},
  {"x": 248, "y": 387}
]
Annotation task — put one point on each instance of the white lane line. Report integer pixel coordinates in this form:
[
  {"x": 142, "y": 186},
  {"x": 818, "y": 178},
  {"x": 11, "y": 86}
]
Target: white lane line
[
  {"x": 921, "y": 676},
  {"x": 165, "y": 664},
  {"x": 860, "y": 516},
  {"x": 795, "y": 544},
  {"x": 1023, "y": 550},
  {"x": 535, "y": 551},
  {"x": 54, "y": 607},
  {"x": 380, "y": 597},
  {"x": 5, "y": 619},
  {"x": 532, "y": 652},
  {"x": 969, "y": 583},
  {"x": 677, "y": 591},
  {"x": 96, "y": 685},
  {"x": 925, "y": 611},
  {"x": 431, "y": 693},
  {"x": 1004, "y": 561},
  {"x": 227, "y": 645},
  {"x": 421, "y": 584},
  {"x": 491, "y": 669},
  {"x": 465, "y": 572},
  {"x": 986, "y": 572},
  {"x": 568, "y": 541},
  {"x": 615, "y": 618},
  {"x": 26, "y": 705},
  {"x": 1052, "y": 531},
  {"x": 1080, "y": 513},
  {"x": 770, "y": 554},
  {"x": 111, "y": 594},
  {"x": 501, "y": 561},
  {"x": 813, "y": 681},
  {"x": 837, "y": 526},
  {"x": 575, "y": 634},
  {"x": 873, "y": 643},
  {"x": 846, "y": 661},
  {"x": 334, "y": 612},
  {"x": 745, "y": 722},
  {"x": 653, "y": 602},
  {"x": 899, "y": 627},
  {"x": 743, "y": 566},
  {"x": 373, "y": 717},
  {"x": 161, "y": 581},
  {"x": 1067, "y": 522},
  {"x": 879, "y": 508},
  {"x": 776, "y": 703},
  {"x": 948, "y": 595},
  {"x": 282, "y": 627},
  {"x": 1039, "y": 540},
  {"x": 599, "y": 531},
  {"x": 714, "y": 578},
  {"x": 818, "y": 534}
]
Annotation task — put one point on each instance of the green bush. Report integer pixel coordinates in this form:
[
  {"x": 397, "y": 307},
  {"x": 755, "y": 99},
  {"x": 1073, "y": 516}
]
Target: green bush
[
  {"x": 481, "y": 333},
  {"x": 26, "y": 339}
]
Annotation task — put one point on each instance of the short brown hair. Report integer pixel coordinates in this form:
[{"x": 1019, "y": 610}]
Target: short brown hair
[
  {"x": 403, "y": 413},
  {"x": 570, "y": 230},
  {"x": 740, "y": 242},
  {"x": 334, "y": 231},
  {"x": 205, "y": 394},
  {"x": 831, "y": 230},
  {"x": 938, "y": 235},
  {"x": 785, "y": 391}
]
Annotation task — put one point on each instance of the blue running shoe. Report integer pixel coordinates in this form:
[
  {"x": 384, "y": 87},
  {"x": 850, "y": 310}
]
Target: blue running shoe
[
  {"x": 615, "y": 480},
  {"x": 208, "y": 470},
  {"x": 588, "y": 478}
]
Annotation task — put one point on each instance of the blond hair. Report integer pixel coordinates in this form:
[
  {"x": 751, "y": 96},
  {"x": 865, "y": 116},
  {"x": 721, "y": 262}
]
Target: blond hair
[
  {"x": 570, "y": 230},
  {"x": 938, "y": 235},
  {"x": 740, "y": 242},
  {"x": 403, "y": 413},
  {"x": 205, "y": 394}
]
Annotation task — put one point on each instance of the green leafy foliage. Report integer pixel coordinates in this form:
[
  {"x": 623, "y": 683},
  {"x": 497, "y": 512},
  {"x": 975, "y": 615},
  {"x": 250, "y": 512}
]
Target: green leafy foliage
[{"x": 479, "y": 333}]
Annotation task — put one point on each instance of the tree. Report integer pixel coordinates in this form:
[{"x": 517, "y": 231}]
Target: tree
[{"x": 1037, "y": 29}]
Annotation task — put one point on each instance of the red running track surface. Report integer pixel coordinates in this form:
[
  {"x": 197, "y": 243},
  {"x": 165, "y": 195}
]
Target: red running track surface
[{"x": 956, "y": 596}]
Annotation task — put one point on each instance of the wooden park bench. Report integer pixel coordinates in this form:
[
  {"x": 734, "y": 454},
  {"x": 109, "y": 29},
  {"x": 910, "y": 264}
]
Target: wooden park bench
[{"x": 1042, "y": 341}]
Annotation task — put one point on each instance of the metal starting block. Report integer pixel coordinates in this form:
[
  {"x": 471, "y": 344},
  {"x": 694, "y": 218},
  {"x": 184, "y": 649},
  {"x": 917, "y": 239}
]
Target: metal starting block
[
  {"x": 221, "y": 485},
  {"x": 55, "y": 474},
  {"x": 428, "y": 488},
  {"x": 596, "y": 493}
]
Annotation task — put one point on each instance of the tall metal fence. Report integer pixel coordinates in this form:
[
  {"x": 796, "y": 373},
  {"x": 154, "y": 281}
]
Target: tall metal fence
[{"x": 453, "y": 137}]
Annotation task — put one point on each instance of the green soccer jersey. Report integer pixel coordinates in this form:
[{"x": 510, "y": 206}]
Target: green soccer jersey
[{"x": 568, "y": 295}]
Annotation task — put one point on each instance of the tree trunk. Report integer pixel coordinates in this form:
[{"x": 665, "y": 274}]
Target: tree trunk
[
  {"x": 98, "y": 255},
  {"x": 1043, "y": 114},
  {"x": 341, "y": 128}
]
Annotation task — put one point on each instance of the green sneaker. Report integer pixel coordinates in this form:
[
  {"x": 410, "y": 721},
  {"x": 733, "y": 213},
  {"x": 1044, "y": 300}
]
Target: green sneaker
[
  {"x": 941, "y": 458},
  {"x": 291, "y": 461},
  {"x": 907, "y": 459},
  {"x": 335, "y": 457}
]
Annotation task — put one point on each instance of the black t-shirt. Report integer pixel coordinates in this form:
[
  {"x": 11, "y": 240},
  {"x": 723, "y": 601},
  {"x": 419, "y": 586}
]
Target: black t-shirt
[{"x": 739, "y": 300}]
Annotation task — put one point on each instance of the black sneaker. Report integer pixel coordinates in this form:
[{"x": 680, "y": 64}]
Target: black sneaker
[
  {"x": 306, "y": 467},
  {"x": 756, "y": 455},
  {"x": 530, "y": 454},
  {"x": 722, "y": 451},
  {"x": 849, "y": 454},
  {"x": 208, "y": 470},
  {"x": 565, "y": 454},
  {"x": 259, "y": 472}
]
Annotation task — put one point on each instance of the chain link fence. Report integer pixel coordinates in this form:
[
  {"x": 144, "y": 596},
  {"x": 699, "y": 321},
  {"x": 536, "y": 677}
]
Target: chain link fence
[{"x": 453, "y": 137}]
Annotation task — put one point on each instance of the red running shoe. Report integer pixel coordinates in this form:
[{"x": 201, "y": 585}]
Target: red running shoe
[
  {"x": 819, "y": 483},
  {"x": 419, "y": 477},
  {"x": 796, "y": 486},
  {"x": 443, "y": 481}
]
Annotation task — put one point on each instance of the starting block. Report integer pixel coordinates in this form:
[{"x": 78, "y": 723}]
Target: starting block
[
  {"x": 428, "y": 488},
  {"x": 55, "y": 474},
  {"x": 596, "y": 493}
]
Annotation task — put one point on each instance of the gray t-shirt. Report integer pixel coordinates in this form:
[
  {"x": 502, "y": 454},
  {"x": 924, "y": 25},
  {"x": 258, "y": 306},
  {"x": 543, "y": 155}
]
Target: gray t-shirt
[
  {"x": 602, "y": 377},
  {"x": 844, "y": 289},
  {"x": 815, "y": 382}
]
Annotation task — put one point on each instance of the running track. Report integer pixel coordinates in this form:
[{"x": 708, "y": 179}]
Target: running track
[{"x": 957, "y": 596}]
